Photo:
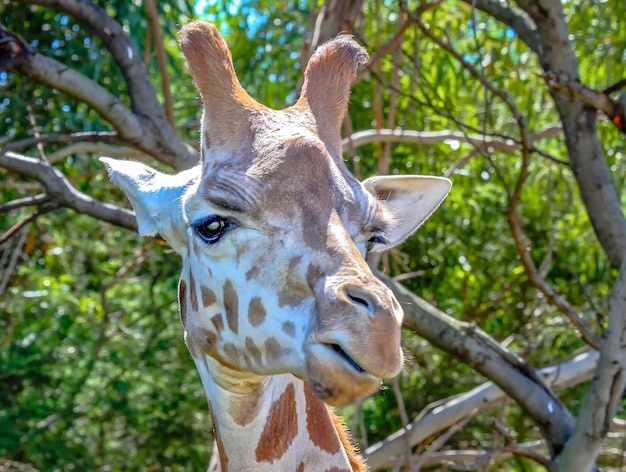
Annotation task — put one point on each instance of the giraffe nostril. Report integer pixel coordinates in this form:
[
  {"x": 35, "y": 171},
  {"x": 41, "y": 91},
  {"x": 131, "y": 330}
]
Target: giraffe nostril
[
  {"x": 357, "y": 297},
  {"x": 358, "y": 300}
]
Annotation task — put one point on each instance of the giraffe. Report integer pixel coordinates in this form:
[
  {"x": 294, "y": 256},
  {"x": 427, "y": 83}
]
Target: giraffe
[{"x": 281, "y": 314}]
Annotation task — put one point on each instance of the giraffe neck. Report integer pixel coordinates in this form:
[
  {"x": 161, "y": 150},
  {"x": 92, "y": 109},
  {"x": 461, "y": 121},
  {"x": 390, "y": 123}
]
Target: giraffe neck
[{"x": 273, "y": 423}]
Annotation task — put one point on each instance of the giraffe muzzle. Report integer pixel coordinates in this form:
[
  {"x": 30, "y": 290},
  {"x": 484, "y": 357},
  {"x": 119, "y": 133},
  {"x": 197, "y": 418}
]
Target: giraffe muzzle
[{"x": 335, "y": 377}]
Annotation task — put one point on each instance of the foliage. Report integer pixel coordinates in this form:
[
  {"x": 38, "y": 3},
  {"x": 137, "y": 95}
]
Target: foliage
[{"x": 93, "y": 370}]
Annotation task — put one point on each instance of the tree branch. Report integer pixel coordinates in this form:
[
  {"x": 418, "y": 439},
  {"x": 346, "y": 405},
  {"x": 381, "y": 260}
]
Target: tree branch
[
  {"x": 61, "y": 190},
  {"x": 444, "y": 413},
  {"x": 96, "y": 148},
  {"x": 124, "y": 52},
  {"x": 613, "y": 109},
  {"x": 557, "y": 55},
  {"x": 372, "y": 136},
  {"x": 23, "y": 202},
  {"x": 604, "y": 396},
  {"x": 514, "y": 18},
  {"x": 145, "y": 127},
  {"x": 102, "y": 136},
  {"x": 17, "y": 227},
  {"x": 472, "y": 346}
]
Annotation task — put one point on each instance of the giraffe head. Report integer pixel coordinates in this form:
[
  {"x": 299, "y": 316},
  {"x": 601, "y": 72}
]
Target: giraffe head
[{"x": 273, "y": 229}]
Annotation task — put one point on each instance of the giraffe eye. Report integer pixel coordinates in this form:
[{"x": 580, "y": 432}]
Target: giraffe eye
[
  {"x": 211, "y": 229},
  {"x": 378, "y": 239}
]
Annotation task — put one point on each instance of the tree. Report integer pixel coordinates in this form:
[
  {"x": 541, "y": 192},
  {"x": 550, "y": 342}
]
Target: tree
[{"x": 521, "y": 103}]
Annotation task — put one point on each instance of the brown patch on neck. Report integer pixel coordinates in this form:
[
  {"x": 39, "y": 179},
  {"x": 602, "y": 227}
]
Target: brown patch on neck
[
  {"x": 231, "y": 305},
  {"x": 231, "y": 351},
  {"x": 281, "y": 428},
  {"x": 244, "y": 408},
  {"x": 318, "y": 423},
  {"x": 328, "y": 432}
]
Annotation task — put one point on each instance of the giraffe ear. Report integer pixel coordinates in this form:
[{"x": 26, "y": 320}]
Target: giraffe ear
[
  {"x": 155, "y": 197},
  {"x": 410, "y": 199}
]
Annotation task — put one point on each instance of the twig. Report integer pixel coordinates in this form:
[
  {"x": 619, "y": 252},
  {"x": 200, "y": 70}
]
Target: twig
[
  {"x": 498, "y": 143},
  {"x": 590, "y": 300},
  {"x": 473, "y": 459},
  {"x": 153, "y": 19},
  {"x": 615, "y": 87},
  {"x": 15, "y": 254},
  {"x": 384, "y": 50},
  {"x": 97, "y": 148},
  {"x": 404, "y": 417},
  {"x": 37, "y": 133},
  {"x": 552, "y": 297},
  {"x": 418, "y": 461},
  {"x": 409, "y": 275},
  {"x": 23, "y": 202},
  {"x": 519, "y": 450},
  {"x": 61, "y": 191},
  {"x": 20, "y": 224},
  {"x": 103, "y": 136}
]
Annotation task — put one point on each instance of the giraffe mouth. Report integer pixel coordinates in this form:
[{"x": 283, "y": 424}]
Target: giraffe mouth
[{"x": 344, "y": 355}]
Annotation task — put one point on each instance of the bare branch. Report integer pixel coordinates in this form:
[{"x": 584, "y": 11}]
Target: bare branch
[
  {"x": 61, "y": 190},
  {"x": 420, "y": 460},
  {"x": 23, "y": 202},
  {"x": 393, "y": 44},
  {"x": 96, "y": 148},
  {"x": 145, "y": 127},
  {"x": 444, "y": 413},
  {"x": 131, "y": 128},
  {"x": 371, "y": 136},
  {"x": 517, "y": 450},
  {"x": 103, "y": 136},
  {"x": 17, "y": 227},
  {"x": 123, "y": 50},
  {"x": 473, "y": 459},
  {"x": 15, "y": 253},
  {"x": 472, "y": 346}
]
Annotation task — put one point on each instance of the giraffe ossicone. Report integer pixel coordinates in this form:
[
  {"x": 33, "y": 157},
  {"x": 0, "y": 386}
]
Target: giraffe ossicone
[{"x": 278, "y": 305}]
